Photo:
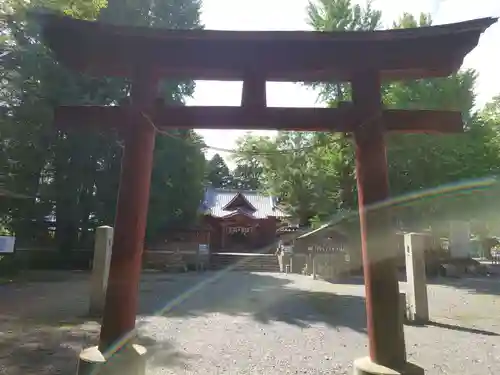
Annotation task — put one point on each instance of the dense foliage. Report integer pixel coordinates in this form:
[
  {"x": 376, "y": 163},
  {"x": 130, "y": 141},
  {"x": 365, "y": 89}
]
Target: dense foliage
[
  {"x": 314, "y": 173},
  {"x": 72, "y": 176},
  {"x": 246, "y": 175}
]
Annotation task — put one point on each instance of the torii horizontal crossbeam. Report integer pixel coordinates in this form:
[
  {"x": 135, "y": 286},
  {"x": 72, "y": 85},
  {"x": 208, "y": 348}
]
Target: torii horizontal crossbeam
[{"x": 303, "y": 119}]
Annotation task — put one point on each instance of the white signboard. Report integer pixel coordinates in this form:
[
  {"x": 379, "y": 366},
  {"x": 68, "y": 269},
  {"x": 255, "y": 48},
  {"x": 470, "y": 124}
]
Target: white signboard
[
  {"x": 7, "y": 244},
  {"x": 203, "y": 249}
]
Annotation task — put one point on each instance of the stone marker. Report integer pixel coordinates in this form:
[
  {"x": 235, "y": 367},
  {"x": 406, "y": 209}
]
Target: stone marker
[
  {"x": 403, "y": 313},
  {"x": 100, "y": 269},
  {"x": 416, "y": 293},
  {"x": 314, "y": 265},
  {"x": 460, "y": 246}
]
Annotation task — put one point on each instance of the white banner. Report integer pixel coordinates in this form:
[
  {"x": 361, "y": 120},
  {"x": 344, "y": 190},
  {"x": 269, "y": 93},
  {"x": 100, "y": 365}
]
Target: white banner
[
  {"x": 7, "y": 244},
  {"x": 203, "y": 249}
]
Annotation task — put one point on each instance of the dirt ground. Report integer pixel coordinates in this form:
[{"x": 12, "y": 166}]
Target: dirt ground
[{"x": 246, "y": 323}]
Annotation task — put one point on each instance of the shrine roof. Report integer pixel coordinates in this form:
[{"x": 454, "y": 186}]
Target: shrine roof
[
  {"x": 215, "y": 200},
  {"x": 103, "y": 49}
]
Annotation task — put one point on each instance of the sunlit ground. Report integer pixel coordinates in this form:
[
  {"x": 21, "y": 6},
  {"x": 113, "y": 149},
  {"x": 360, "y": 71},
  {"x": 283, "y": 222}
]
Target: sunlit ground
[
  {"x": 247, "y": 323},
  {"x": 263, "y": 323}
]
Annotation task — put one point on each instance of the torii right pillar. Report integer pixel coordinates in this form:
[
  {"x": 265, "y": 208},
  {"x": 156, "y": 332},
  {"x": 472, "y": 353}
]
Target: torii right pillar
[{"x": 385, "y": 323}]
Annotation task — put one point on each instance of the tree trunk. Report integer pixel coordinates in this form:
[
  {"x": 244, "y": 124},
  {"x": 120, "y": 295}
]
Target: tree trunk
[{"x": 66, "y": 183}]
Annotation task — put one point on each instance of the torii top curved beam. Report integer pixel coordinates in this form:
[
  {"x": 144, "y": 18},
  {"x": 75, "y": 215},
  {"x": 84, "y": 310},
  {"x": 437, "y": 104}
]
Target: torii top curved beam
[{"x": 108, "y": 50}]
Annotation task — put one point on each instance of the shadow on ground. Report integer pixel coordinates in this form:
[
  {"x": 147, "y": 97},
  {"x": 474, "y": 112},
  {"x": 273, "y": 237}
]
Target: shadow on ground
[
  {"x": 44, "y": 348},
  {"x": 458, "y": 328},
  {"x": 265, "y": 297},
  {"x": 29, "y": 347},
  {"x": 43, "y": 324},
  {"x": 44, "y": 327},
  {"x": 479, "y": 285}
]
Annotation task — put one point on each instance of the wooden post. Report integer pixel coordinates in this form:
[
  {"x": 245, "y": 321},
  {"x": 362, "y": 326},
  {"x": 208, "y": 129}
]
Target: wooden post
[
  {"x": 385, "y": 331},
  {"x": 132, "y": 207},
  {"x": 253, "y": 94}
]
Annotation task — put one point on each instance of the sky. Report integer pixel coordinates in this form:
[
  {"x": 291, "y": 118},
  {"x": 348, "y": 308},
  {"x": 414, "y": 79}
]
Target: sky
[{"x": 291, "y": 15}]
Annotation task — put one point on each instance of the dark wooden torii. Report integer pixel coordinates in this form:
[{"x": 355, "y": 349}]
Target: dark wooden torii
[{"x": 363, "y": 58}]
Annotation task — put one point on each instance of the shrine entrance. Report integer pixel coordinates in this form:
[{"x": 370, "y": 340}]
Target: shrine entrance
[
  {"x": 239, "y": 233},
  {"x": 362, "y": 58},
  {"x": 242, "y": 220}
]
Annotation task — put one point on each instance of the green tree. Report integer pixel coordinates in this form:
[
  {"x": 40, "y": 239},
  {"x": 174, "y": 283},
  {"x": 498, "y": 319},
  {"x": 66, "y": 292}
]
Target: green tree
[
  {"x": 177, "y": 182},
  {"x": 418, "y": 161},
  {"x": 314, "y": 173},
  {"x": 491, "y": 112},
  {"x": 246, "y": 177},
  {"x": 335, "y": 148},
  {"x": 292, "y": 169},
  {"x": 340, "y": 15},
  {"x": 248, "y": 172},
  {"x": 74, "y": 175},
  {"x": 32, "y": 83},
  {"x": 217, "y": 172}
]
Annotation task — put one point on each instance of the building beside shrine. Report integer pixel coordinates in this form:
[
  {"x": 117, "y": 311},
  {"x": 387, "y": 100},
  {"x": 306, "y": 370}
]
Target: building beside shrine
[{"x": 240, "y": 220}]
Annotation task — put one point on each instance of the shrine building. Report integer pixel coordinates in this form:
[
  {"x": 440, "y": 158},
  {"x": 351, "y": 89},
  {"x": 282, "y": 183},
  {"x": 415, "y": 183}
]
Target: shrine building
[{"x": 240, "y": 220}]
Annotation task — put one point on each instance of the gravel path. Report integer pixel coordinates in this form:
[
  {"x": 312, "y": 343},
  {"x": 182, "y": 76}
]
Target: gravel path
[{"x": 248, "y": 323}]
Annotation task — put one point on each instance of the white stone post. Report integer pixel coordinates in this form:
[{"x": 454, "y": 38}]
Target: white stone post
[
  {"x": 459, "y": 242},
  {"x": 314, "y": 266},
  {"x": 100, "y": 269},
  {"x": 416, "y": 293}
]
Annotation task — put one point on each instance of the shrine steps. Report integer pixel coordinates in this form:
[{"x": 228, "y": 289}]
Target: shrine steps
[{"x": 244, "y": 262}]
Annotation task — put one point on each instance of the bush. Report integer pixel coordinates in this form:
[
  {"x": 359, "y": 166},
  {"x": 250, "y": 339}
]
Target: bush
[
  {"x": 55, "y": 260},
  {"x": 8, "y": 266},
  {"x": 11, "y": 264}
]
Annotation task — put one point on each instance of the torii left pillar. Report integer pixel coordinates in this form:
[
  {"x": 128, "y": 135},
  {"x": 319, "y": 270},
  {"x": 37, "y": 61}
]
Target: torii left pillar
[{"x": 117, "y": 354}]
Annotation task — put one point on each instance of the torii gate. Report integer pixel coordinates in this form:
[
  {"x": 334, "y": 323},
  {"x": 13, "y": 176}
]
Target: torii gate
[{"x": 363, "y": 58}]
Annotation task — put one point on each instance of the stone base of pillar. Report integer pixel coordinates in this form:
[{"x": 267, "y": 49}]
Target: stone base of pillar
[
  {"x": 130, "y": 360},
  {"x": 365, "y": 366}
]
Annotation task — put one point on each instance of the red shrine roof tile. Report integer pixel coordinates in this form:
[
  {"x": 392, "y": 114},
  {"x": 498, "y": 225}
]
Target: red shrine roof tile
[{"x": 102, "y": 49}]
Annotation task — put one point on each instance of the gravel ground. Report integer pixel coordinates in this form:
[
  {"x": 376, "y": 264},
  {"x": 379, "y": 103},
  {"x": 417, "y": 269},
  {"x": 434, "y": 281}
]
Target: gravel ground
[{"x": 247, "y": 323}]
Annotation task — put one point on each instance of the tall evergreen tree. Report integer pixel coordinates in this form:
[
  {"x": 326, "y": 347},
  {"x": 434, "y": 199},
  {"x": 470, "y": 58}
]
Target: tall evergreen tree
[
  {"x": 217, "y": 172},
  {"x": 246, "y": 176},
  {"x": 73, "y": 176},
  {"x": 316, "y": 176}
]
